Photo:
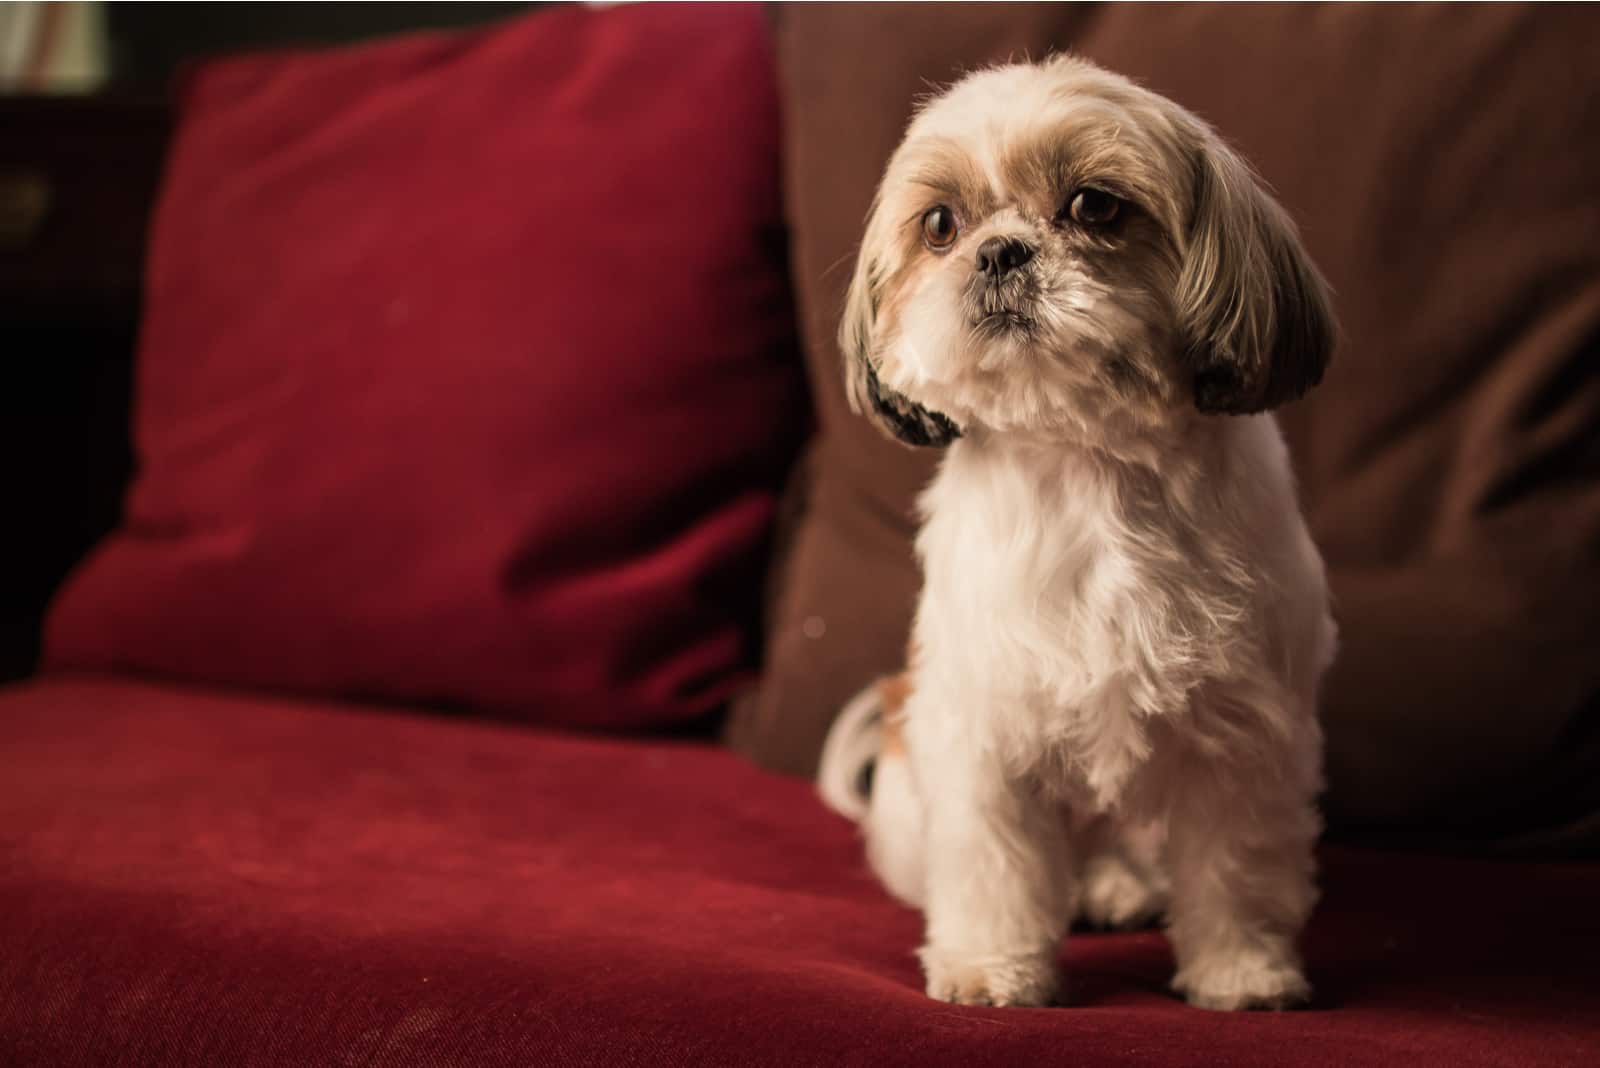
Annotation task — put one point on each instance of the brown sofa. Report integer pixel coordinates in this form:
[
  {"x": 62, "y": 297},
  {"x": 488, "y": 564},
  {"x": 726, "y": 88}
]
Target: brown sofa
[{"x": 1441, "y": 163}]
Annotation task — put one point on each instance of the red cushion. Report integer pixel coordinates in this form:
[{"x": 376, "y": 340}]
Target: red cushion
[
  {"x": 192, "y": 879},
  {"x": 466, "y": 374}
]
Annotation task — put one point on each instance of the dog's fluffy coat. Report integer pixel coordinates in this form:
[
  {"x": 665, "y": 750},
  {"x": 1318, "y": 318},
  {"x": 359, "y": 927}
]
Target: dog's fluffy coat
[{"x": 1109, "y": 710}]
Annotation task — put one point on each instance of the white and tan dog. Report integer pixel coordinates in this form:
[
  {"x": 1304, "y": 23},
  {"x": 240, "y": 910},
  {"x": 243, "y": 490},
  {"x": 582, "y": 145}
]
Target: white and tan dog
[{"x": 1110, "y": 707}]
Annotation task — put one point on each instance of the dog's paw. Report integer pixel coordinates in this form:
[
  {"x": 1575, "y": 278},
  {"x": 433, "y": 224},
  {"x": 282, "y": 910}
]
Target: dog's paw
[
  {"x": 964, "y": 979},
  {"x": 1251, "y": 980},
  {"x": 1116, "y": 897}
]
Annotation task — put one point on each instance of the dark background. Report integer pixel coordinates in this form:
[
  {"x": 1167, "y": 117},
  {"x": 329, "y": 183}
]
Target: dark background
[{"x": 150, "y": 41}]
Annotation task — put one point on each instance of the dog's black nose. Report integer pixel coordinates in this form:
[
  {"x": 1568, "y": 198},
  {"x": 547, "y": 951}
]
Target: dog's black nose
[{"x": 999, "y": 256}]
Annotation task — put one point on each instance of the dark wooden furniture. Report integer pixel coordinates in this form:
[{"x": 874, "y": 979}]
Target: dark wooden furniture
[{"x": 77, "y": 180}]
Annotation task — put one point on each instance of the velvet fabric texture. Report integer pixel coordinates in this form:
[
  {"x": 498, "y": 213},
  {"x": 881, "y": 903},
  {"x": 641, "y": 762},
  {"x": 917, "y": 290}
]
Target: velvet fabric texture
[
  {"x": 451, "y": 387},
  {"x": 191, "y": 878},
  {"x": 1442, "y": 164}
]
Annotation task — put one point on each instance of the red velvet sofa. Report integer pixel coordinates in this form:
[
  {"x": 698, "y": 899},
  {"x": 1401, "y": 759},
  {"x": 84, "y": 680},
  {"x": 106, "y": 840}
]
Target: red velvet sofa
[
  {"x": 200, "y": 878},
  {"x": 449, "y": 792}
]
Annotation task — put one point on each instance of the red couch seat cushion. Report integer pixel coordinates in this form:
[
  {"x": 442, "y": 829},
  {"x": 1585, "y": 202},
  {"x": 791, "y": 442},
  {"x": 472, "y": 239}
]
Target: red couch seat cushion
[
  {"x": 194, "y": 879},
  {"x": 466, "y": 374}
]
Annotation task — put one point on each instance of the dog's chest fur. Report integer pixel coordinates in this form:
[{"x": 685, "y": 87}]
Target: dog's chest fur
[{"x": 1072, "y": 601}]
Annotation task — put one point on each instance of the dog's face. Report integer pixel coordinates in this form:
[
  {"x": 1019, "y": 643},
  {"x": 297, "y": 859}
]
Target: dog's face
[{"x": 1058, "y": 252}]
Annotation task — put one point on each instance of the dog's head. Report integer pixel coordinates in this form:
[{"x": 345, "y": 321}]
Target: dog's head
[{"x": 1055, "y": 251}]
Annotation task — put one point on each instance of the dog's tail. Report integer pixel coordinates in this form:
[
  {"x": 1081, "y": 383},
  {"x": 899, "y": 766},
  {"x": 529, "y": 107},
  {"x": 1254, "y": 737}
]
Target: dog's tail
[
  {"x": 865, "y": 776},
  {"x": 850, "y": 755}
]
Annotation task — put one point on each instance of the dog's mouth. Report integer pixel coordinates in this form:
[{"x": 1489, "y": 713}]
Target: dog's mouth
[
  {"x": 1003, "y": 321},
  {"x": 906, "y": 419},
  {"x": 996, "y": 309}
]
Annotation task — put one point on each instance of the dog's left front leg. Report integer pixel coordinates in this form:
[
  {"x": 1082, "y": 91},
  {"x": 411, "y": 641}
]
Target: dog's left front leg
[
  {"x": 997, "y": 860},
  {"x": 1240, "y": 847}
]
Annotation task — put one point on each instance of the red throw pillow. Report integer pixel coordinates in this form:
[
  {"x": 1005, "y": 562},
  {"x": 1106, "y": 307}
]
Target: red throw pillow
[{"x": 467, "y": 374}]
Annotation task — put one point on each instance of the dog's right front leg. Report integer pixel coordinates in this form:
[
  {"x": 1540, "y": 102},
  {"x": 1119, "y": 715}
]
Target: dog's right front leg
[{"x": 996, "y": 903}]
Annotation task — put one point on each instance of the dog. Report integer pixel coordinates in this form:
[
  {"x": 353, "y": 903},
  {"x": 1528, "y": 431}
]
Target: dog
[{"x": 1080, "y": 292}]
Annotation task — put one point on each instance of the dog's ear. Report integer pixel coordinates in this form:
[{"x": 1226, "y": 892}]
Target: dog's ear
[
  {"x": 857, "y": 326},
  {"x": 1255, "y": 314},
  {"x": 893, "y": 414}
]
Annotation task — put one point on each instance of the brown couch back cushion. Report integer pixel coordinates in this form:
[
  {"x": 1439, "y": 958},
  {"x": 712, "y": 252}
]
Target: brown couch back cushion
[{"x": 1444, "y": 165}]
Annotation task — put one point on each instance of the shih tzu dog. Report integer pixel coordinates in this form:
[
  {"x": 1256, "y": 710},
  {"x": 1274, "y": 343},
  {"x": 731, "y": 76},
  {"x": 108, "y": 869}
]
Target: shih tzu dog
[{"x": 1109, "y": 708}]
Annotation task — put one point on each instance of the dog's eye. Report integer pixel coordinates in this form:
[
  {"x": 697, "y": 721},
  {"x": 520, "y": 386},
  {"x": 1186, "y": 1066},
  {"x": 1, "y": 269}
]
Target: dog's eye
[
  {"x": 1093, "y": 207},
  {"x": 939, "y": 228}
]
